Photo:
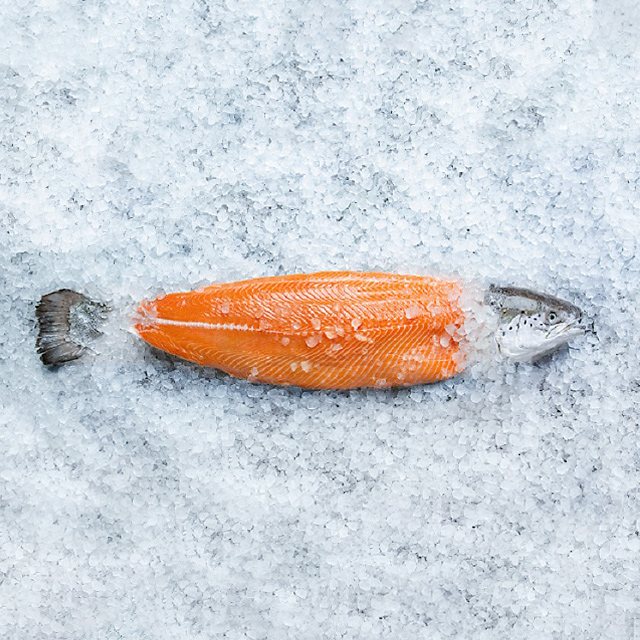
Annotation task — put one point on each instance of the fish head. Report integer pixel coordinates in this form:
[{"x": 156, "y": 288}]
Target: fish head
[{"x": 530, "y": 324}]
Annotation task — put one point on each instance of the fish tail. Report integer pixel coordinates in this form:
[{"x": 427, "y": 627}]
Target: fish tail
[{"x": 68, "y": 322}]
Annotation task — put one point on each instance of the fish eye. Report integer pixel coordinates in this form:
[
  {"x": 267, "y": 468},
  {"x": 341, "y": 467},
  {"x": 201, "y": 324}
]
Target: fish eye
[{"x": 552, "y": 316}]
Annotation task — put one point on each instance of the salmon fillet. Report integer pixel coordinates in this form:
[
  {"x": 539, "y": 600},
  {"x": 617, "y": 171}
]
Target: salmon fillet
[{"x": 331, "y": 330}]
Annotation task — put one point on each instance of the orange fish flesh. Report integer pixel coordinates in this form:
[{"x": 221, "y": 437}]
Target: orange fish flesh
[{"x": 330, "y": 330}]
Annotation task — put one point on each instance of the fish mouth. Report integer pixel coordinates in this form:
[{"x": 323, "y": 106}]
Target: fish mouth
[{"x": 567, "y": 330}]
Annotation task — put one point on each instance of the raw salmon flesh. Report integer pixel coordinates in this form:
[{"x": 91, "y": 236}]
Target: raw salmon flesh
[{"x": 330, "y": 330}]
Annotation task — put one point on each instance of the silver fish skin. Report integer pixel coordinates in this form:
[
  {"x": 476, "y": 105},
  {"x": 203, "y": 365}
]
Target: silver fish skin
[{"x": 530, "y": 324}]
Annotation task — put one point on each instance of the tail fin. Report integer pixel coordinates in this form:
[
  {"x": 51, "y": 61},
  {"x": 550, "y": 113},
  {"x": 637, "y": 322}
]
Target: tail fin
[{"x": 67, "y": 323}]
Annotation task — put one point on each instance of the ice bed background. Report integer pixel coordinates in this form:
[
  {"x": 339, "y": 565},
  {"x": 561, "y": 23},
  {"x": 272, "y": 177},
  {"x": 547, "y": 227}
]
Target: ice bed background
[{"x": 150, "y": 147}]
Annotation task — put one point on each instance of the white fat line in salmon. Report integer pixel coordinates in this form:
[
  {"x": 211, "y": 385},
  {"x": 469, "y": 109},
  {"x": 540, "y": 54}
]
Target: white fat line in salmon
[{"x": 205, "y": 325}]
